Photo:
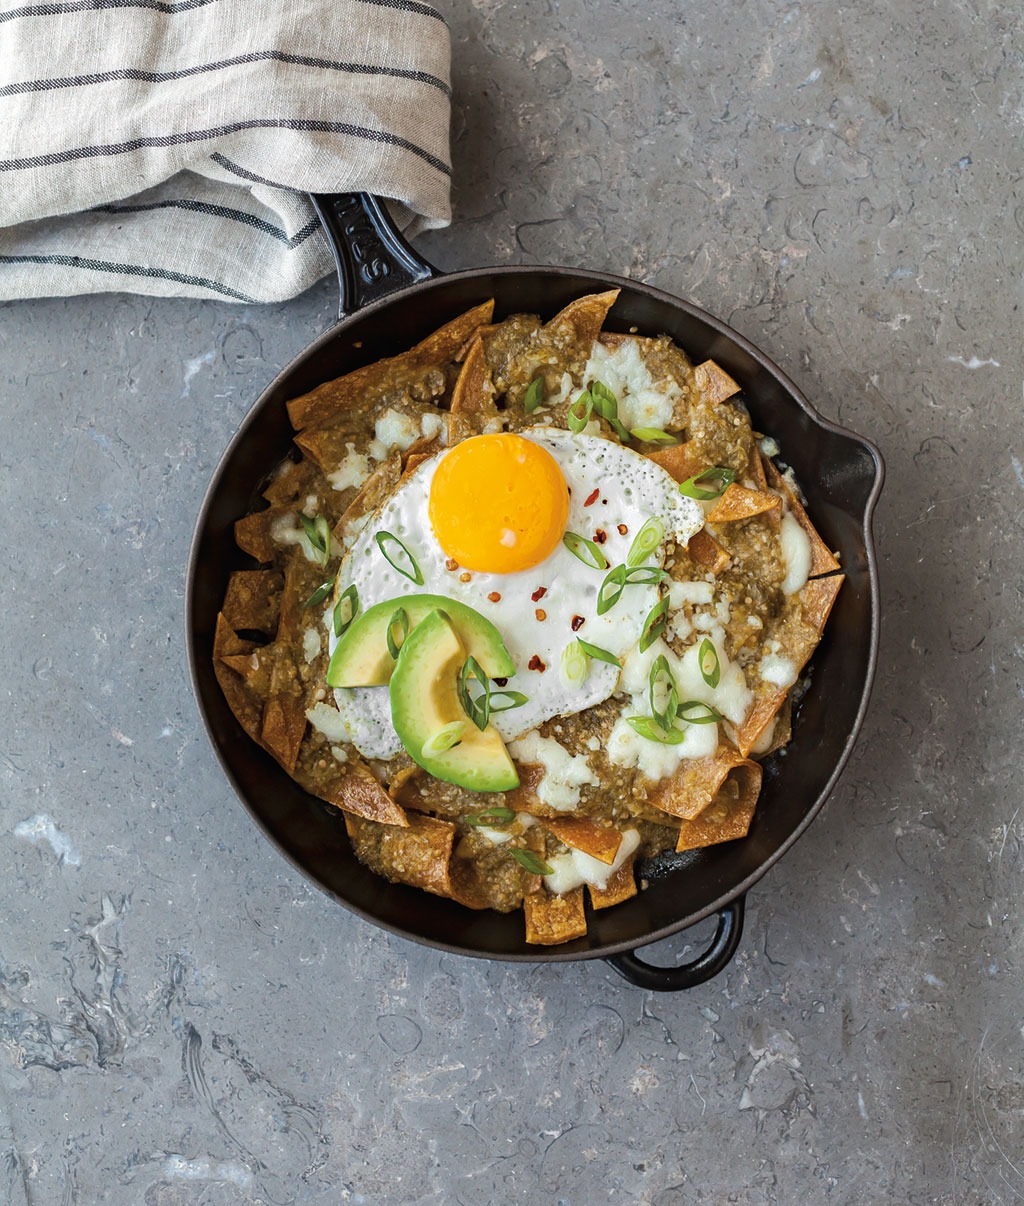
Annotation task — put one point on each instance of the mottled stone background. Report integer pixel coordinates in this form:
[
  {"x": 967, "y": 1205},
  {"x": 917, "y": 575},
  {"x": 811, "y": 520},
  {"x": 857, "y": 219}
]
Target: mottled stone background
[{"x": 184, "y": 1020}]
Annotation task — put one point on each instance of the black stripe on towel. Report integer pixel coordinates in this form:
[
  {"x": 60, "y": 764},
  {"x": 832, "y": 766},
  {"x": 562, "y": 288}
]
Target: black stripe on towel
[
  {"x": 407, "y": 6},
  {"x": 77, "y": 261},
  {"x": 261, "y": 56},
  {"x": 260, "y": 123},
  {"x": 217, "y": 211}
]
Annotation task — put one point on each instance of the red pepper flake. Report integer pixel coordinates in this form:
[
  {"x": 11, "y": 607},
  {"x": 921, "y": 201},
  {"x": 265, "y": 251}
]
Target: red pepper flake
[
  {"x": 451, "y": 564},
  {"x": 465, "y": 576},
  {"x": 541, "y": 614},
  {"x": 495, "y": 596},
  {"x": 577, "y": 622},
  {"x": 623, "y": 529},
  {"x": 535, "y": 663},
  {"x": 600, "y": 536},
  {"x": 539, "y": 594},
  {"x": 592, "y": 497}
]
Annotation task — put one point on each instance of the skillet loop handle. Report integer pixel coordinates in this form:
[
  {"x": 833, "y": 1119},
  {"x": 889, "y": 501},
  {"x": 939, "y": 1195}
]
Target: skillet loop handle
[
  {"x": 689, "y": 975},
  {"x": 372, "y": 256}
]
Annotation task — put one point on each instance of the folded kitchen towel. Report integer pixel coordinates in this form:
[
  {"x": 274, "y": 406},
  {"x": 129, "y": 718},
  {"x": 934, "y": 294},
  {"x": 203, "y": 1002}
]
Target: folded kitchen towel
[{"x": 168, "y": 147}]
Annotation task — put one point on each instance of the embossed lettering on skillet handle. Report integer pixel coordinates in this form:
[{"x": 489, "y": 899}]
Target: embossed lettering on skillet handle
[{"x": 373, "y": 258}]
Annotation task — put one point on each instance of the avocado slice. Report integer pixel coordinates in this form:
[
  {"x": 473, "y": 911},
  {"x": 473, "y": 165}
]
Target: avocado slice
[
  {"x": 425, "y": 703},
  {"x": 361, "y": 658}
]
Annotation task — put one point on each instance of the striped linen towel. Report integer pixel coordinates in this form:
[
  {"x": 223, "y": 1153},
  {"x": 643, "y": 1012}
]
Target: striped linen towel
[{"x": 167, "y": 147}]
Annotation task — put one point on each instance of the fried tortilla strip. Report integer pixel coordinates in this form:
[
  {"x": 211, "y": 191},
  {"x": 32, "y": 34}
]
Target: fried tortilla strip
[
  {"x": 378, "y": 487},
  {"x": 246, "y": 708},
  {"x": 688, "y": 792},
  {"x": 726, "y": 818},
  {"x": 226, "y": 641},
  {"x": 253, "y": 533},
  {"x": 241, "y": 663},
  {"x": 324, "y": 404},
  {"x": 282, "y": 728},
  {"x": 755, "y": 468},
  {"x": 252, "y": 600},
  {"x": 681, "y": 461},
  {"x": 289, "y": 621},
  {"x": 351, "y": 787},
  {"x": 552, "y": 919},
  {"x": 713, "y": 383},
  {"x": 290, "y": 483},
  {"x": 621, "y": 886},
  {"x": 822, "y": 560},
  {"x": 581, "y": 320},
  {"x": 707, "y": 552},
  {"x": 473, "y": 393},
  {"x": 599, "y": 841},
  {"x": 417, "y": 854},
  {"x": 799, "y": 633},
  {"x": 740, "y": 503}
]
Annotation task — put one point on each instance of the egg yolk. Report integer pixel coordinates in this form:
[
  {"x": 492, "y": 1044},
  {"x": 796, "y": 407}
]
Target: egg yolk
[{"x": 498, "y": 503}]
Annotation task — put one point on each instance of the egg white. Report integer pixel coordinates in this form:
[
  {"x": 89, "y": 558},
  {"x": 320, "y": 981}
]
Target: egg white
[{"x": 630, "y": 490}]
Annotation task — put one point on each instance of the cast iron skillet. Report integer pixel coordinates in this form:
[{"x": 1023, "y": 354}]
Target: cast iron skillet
[{"x": 391, "y": 299}]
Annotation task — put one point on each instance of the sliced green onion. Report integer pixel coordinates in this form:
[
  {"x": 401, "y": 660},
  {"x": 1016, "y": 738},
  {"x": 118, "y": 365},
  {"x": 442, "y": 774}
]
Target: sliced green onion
[
  {"x": 617, "y": 579},
  {"x": 345, "y": 609},
  {"x": 695, "y": 712},
  {"x": 712, "y": 483},
  {"x": 321, "y": 593},
  {"x": 318, "y": 533},
  {"x": 574, "y": 664},
  {"x": 607, "y": 406},
  {"x": 585, "y": 550},
  {"x": 412, "y": 570},
  {"x": 514, "y": 699},
  {"x": 601, "y": 655},
  {"x": 444, "y": 739},
  {"x": 533, "y": 399},
  {"x": 579, "y": 413},
  {"x": 479, "y": 709},
  {"x": 652, "y": 435},
  {"x": 654, "y": 625},
  {"x": 646, "y": 541},
  {"x": 646, "y": 727},
  {"x": 661, "y": 677},
  {"x": 530, "y": 861},
  {"x": 396, "y": 632},
  {"x": 710, "y": 666},
  {"x": 491, "y": 817}
]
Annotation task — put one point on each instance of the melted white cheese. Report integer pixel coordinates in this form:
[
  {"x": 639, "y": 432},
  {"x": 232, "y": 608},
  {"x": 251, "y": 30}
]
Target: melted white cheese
[
  {"x": 329, "y": 721},
  {"x": 395, "y": 430},
  {"x": 353, "y": 470},
  {"x": 624, "y": 372},
  {"x": 796, "y": 553},
  {"x": 564, "y": 773},
  {"x": 310, "y": 644},
  {"x": 779, "y": 671},
  {"x": 571, "y": 870}
]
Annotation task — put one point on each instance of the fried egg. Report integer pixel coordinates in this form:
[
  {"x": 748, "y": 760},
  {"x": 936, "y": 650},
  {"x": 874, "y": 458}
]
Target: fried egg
[{"x": 486, "y": 523}]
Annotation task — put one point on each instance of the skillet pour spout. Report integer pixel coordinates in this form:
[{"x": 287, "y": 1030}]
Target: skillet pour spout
[{"x": 390, "y": 299}]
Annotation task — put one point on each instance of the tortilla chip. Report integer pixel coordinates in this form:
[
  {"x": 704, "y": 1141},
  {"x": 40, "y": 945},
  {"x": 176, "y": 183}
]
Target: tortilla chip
[
  {"x": 252, "y": 600},
  {"x": 226, "y": 641},
  {"x": 283, "y": 727},
  {"x": 241, "y": 663},
  {"x": 740, "y": 503},
  {"x": 705, "y": 550},
  {"x": 621, "y": 886},
  {"x": 252, "y": 534},
  {"x": 817, "y": 597},
  {"x": 245, "y": 707},
  {"x": 755, "y": 468},
  {"x": 289, "y": 484},
  {"x": 289, "y": 621},
  {"x": 822, "y": 560},
  {"x": 327, "y": 402},
  {"x": 380, "y": 485},
  {"x": 581, "y": 320},
  {"x": 681, "y": 461},
  {"x": 352, "y": 788},
  {"x": 552, "y": 919},
  {"x": 421, "y": 850},
  {"x": 599, "y": 841},
  {"x": 692, "y": 788},
  {"x": 473, "y": 393},
  {"x": 713, "y": 383},
  {"x": 726, "y": 818},
  {"x": 766, "y": 707}
]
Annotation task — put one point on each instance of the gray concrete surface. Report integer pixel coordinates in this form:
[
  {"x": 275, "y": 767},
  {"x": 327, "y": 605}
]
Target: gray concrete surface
[{"x": 183, "y": 1019}]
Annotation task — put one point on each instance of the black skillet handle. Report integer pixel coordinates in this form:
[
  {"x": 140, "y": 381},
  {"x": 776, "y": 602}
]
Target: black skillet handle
[
  {"x": 372, "y": 256},
  {"x": 689, "y": 975}
]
